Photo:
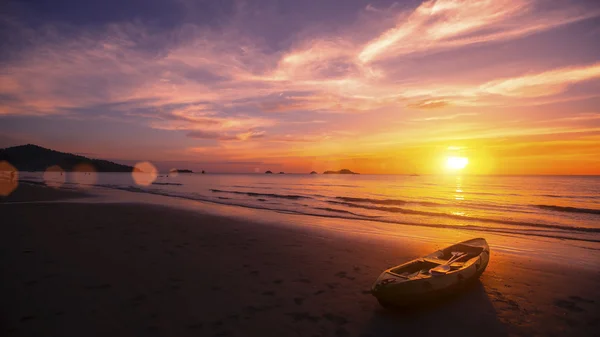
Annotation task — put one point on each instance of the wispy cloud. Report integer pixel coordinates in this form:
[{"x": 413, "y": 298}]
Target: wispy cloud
[
  {"x": 112, "y": 65},
  {"x": 429, "y": 104},
  {"x": 443, "y": 117},
  {"x": 542, "y": 84},
  {"x": 443, "y": 24}
]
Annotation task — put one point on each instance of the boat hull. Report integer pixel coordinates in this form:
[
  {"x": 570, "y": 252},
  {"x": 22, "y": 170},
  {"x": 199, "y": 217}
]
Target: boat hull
[{"x": 391, "y": 290}]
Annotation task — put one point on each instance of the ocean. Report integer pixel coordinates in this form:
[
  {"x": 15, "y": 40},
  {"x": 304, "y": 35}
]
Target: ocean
[{"x": 560, "y": 207}]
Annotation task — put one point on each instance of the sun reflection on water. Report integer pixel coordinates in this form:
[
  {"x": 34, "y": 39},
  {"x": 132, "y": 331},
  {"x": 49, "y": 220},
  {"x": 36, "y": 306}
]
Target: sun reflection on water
[{"x": 459, "y": 190}]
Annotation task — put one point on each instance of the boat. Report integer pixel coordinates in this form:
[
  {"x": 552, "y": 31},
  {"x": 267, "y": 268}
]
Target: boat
[{"x": 442, "y": 272}]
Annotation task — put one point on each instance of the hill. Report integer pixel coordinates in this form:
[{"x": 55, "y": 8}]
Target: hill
[{"x": 36, "y": 158}]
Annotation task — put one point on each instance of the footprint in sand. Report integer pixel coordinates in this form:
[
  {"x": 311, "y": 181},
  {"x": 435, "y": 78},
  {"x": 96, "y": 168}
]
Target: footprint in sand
[
  {"x": 343, "y": 274},
  {"x": 138, "y": 300},
  {"x": 302, "y": 280},
  {"x": 99, "y": 287},
  {"x": 234, "y": 317},
  {"x": 339, "y": 320},
  {"x": 341, "y": 332},
  {"x": 303, "y": 316},
  {"x": 253, "y": 310},
  {"x": 579, "y": 299},
  {"x": 332, "y": 285},
  {"x": 195, "y": 326},
  {"x": 568, "y": 305}
]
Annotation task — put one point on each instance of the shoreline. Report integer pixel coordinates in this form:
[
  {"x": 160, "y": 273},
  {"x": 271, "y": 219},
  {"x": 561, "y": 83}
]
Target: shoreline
[
  {"x": 585, "y": 234},
  {"x": 585, "y": 254},
  {"x": 92, "y": 267}
]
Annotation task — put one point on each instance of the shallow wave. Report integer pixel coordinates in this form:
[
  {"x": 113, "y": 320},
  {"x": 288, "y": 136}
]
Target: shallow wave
[
  {"x": 462, "y": 217},
  {"x": 262, "y": 187},
  {"x": 327, "y": 185},
  {"x": 568, "y": 209},
  {"x": 569, "y": 196},
  {"x": 387, "y": 201},
  {"x": 377, "y": 219},
  {"x": 170, "y": 184},
  {"x": 337, "y": 210},
  {"x": 269, "y": 195},
  {"x": 354, "y": 216}
]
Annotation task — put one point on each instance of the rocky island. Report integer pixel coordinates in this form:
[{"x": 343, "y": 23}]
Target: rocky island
[
  {"x": 342, "y": 171},
  {"x": 181, "y": 171}
]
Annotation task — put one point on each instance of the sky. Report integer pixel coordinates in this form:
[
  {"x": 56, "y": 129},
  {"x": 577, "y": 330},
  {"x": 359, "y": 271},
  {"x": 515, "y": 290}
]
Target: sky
[{"x": 377, "y": 86}]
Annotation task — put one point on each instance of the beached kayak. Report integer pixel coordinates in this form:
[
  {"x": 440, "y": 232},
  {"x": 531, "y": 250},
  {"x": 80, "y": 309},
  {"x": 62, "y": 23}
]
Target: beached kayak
[{"x": 444, "y": 271}]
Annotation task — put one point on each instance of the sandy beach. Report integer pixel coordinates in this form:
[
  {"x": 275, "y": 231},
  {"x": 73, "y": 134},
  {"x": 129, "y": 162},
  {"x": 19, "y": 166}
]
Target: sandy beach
[{"x": 120, "y": 269}]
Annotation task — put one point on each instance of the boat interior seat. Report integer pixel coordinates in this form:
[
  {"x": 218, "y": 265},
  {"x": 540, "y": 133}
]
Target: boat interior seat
[{"x": 470, "y": 250}]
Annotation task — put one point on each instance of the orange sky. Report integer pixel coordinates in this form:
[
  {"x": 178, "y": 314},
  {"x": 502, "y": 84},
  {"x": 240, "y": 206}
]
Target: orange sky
[{"x": 384, "y": 87}]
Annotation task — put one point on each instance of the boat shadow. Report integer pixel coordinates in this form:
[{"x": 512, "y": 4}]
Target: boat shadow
[{"x": 467, "y": 313}]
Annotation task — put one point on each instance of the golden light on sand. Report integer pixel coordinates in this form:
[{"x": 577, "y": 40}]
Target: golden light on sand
[
  {"x": 144, "y": 173},
  {"x": 54, "y": 176},
  {"x": 456, "y": 163},
  {"x": 84, "y": 175},
  {"x": 9, "y": 178}
]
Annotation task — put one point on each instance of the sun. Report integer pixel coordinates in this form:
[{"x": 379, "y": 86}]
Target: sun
[{"x": 457, "y": 163}]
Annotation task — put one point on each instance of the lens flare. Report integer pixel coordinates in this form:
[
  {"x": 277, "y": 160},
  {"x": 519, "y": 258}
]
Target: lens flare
[
  {"x": 144, "y": 173},
  {"x": 84, "y": 175},
  {"x": 9, "y": 178},
  {"x": 54, "y": 176}
]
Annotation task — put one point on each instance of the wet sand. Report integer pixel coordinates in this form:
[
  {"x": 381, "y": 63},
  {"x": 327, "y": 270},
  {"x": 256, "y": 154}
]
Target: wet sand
[{"x": 78, "y": 269}]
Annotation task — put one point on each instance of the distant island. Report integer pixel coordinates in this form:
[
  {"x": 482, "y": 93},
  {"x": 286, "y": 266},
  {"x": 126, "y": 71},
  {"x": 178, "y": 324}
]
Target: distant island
[
  {"x": 342, "y": 171},
  {"x": 268, "y": 172},
  {"x": 281, "y": 173},
  {"x": 34, "y": 158},
  {"x": 313, "y": 172},
  {"x": 182, "y": 171}
]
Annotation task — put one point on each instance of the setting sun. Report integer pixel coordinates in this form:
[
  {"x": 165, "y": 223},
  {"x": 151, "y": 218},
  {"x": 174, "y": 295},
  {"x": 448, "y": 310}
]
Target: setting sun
[{"x": 457, "y": 163}]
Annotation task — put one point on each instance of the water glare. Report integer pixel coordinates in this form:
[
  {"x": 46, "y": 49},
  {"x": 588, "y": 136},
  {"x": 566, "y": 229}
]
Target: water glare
[
  {"x": 144, "y": 173},
  {"x": 84, "y": 175},
  {"x": 173, "y": 173},
  {"x": 9, "y": 178},
  {"x": 55, "y": 176}
]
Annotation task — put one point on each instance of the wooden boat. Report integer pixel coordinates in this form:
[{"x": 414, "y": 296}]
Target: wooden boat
[{"x": 444, "y": 271}]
